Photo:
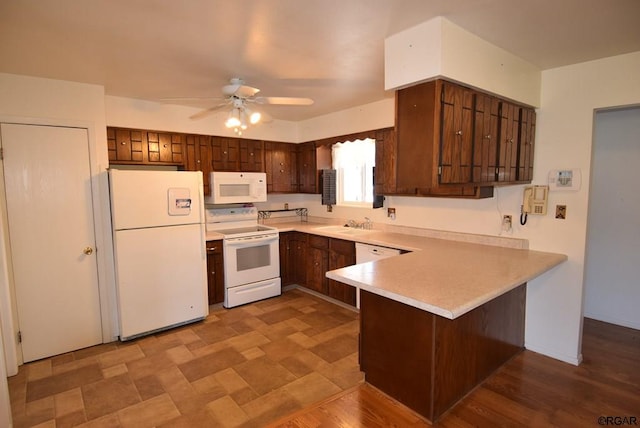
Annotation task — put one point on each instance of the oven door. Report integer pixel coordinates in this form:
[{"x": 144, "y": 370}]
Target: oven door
[{"x": 251, "y": 259}]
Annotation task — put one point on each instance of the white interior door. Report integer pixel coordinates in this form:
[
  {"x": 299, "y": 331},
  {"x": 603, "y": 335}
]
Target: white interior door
[{"x": 50, "y": 214}]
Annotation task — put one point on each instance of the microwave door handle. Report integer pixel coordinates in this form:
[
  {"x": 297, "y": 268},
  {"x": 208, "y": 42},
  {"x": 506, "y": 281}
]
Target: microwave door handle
[{"x": 237, "y": 242}]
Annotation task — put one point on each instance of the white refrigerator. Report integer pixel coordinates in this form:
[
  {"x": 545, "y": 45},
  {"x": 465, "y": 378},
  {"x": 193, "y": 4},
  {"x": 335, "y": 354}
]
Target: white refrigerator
[{"x": 159, "y": 244}]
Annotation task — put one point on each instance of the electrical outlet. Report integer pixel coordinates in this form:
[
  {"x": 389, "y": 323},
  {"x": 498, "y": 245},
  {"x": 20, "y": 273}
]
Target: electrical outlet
[
  {"x": 561, "y": 212},
  {"x": 506, "y": 223},
  {"x": 391, "y": 213}
]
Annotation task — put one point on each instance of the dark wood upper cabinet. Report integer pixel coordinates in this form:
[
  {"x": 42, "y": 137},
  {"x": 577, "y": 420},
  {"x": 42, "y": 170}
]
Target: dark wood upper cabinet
[
  {"x": 312, "y": 157},
  {"x": 165, "y": 148},
  {"x": 527, "y": 144},
  {"x": 485, "y": 138},
  {"x": 198, "y": 157},
  {"x": 225, "y": 154},
  {"x": 307, "y": 170},
  {"x": 508, "y": 143},
  {"x": 281, "y": 167},
  {"x": 417, "y": 128},
  {"x": 136, "y": 146},
  {"x": 456, "y": 141},
  {"x": 251, "y": 156}
]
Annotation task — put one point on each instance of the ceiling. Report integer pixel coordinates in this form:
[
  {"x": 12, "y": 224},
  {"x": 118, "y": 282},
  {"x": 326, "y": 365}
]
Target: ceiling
[{"x": 329, "y": 50}]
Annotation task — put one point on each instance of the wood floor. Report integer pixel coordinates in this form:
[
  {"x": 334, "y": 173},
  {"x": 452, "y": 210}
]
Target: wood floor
[{"x": 531, "y": 390}]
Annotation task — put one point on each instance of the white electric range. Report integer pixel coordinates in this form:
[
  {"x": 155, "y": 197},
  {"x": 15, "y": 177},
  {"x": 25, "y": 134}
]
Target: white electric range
[{"x": 251, "y": 253}]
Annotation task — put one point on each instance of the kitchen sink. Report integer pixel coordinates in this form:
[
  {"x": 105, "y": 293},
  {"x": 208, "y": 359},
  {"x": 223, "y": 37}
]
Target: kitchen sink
[{"x": 343, "y": 230}]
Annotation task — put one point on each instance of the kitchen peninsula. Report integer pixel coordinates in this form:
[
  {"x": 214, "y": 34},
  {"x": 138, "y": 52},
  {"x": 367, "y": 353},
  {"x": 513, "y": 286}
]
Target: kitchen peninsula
[{"x": 437, "y": 321}]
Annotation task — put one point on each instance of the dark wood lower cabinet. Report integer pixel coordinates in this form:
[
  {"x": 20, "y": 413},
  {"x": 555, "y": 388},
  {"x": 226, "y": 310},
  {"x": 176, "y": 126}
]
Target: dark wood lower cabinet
[
  {"x": 317, "y": 263},
  {"x": 428, "y": 362},
  {"x": 215, "y": 272},
  {"x": 342, "y": 253},
  {"x": 306, "y": 258}
]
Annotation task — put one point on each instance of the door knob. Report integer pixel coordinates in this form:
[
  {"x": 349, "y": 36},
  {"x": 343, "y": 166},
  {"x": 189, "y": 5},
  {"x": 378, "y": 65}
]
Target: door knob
[{"x": 88, "y": 251}]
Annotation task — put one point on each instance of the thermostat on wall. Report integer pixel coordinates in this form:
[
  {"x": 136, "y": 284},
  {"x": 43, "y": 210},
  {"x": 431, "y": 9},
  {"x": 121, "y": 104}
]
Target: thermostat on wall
[{"x": 564, "y": 179}]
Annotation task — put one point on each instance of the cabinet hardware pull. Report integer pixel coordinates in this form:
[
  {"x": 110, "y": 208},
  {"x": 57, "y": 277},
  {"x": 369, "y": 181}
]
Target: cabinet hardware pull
[
  {"x": 164, "y": 145},
  {"x": 458, "y": 132},
  {"x": 488, "y": 137},
  {"x": 88, "y": 251},
  {"x": 211, "y": 248},
  {"x": 123, "y": 143}
]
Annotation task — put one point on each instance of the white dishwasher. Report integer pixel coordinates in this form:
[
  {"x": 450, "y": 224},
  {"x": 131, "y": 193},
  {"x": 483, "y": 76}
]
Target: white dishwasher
[{"x": 368, "y": 253}]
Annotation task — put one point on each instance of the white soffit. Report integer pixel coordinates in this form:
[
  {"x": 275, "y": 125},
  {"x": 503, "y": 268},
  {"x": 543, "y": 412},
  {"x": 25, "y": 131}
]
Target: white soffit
[{"x": 438, "y": 48}]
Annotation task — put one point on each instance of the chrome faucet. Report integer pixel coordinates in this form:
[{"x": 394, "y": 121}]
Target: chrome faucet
[{"x": 368, "y": 224}]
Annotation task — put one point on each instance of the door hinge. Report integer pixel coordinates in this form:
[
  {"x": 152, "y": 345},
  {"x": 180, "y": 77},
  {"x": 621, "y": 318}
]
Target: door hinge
[
  {"x": 1, "y": 153},
  {"x": 440, "y": 170},
  {"x": 19, "y": 337}
]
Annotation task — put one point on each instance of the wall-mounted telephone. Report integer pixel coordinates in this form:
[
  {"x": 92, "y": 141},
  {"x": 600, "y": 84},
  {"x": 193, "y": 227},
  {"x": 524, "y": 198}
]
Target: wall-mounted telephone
[{"x": 534, "y": 201}]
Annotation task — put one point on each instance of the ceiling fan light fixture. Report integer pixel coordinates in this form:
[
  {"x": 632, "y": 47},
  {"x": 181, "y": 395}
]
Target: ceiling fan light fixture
[
  {"x": 254, "y": 117},
  {"x": 233, "y": 120}
]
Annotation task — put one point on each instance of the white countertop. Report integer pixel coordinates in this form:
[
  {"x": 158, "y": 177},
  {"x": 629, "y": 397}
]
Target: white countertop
[{"x": 444, "y": 277}]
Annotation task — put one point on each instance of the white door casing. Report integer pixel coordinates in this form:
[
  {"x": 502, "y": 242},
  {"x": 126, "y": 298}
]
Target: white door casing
[{"x": 50, "y": 215}]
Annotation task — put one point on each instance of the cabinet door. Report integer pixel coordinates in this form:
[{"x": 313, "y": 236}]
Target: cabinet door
[
  {"x": 251, "y": 156},
  {"x": 342, "y": 253},
  {"x": 385, "y": 174},
  {"x": 417, "y": 125},
  {"x": 215, "y": 272},
  {"x": 281, "y": 167},
  {"x": 526, "y": 144},
  {"x": 307, "y": 171},
  {"x": 165, "y": 148},
  {"x": 225, "y": 154},
  {"x": 485, "y": 143},
  {"x": 456, "y": 142},
  {"x": 317, "y": 266},
  {"x": 198, "y": 157},
  {"x": 125, "y": 145},
  {"x": 285, "y": 258},
  {"x": 508, "y": 145},
  {"x": 298, "y": 258}
]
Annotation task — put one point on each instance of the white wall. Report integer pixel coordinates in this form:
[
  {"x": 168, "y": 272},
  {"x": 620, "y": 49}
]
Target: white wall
[{"x": 612, "y": 289}]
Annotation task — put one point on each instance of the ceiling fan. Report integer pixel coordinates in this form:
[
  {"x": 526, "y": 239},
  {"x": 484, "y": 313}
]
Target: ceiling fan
[{"x": 237, "y": 97}]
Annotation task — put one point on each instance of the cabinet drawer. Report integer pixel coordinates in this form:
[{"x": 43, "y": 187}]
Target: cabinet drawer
[
  {"x": 318, "y": 242},
  {"x": 342, "y": 246}
]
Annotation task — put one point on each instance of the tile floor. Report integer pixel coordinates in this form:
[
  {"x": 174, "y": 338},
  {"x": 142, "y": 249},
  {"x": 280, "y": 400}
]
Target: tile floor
[{"x": 242, "y": 367}]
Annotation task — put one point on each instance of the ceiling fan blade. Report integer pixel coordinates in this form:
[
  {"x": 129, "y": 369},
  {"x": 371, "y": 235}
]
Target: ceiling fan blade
[
  {"x": 290, "y": 101},
  {"x": 207, "y": 111}
]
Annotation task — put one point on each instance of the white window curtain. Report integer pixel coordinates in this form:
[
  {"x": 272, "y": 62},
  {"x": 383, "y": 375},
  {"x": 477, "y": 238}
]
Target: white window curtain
[{"x": 354, "y": 162}]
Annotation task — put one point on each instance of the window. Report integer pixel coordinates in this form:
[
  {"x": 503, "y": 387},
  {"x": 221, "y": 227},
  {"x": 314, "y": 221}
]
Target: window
[{"x": 354, "y": 162}]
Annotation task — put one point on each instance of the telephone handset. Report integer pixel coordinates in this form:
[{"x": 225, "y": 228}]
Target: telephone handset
[{"x": 534, "y": 201}]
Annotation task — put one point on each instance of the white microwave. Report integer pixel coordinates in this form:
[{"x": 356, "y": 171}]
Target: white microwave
[{"x": 237, "y": 187}]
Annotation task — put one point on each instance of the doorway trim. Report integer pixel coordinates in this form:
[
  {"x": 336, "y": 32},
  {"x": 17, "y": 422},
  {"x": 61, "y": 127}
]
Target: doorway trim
[{"x": 104, "y": 245}]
